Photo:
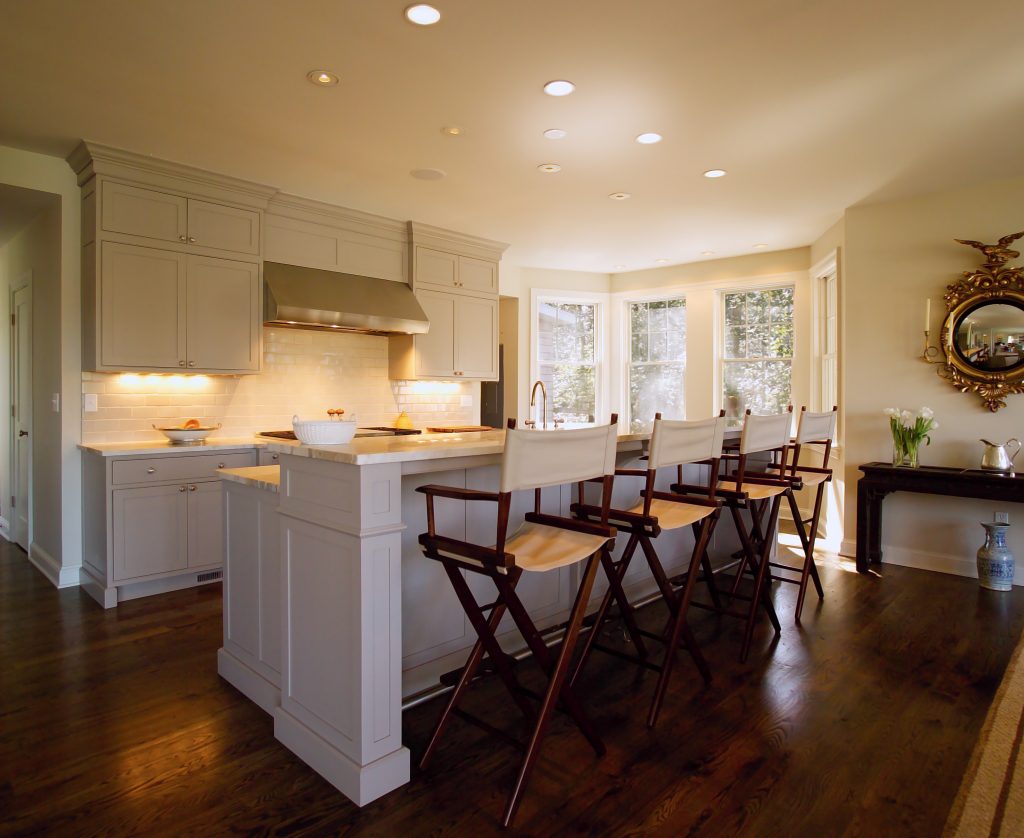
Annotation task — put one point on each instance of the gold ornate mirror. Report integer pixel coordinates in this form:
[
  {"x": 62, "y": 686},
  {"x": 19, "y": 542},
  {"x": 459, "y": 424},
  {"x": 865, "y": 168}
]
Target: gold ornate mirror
[{"x": 983, "y": 333}]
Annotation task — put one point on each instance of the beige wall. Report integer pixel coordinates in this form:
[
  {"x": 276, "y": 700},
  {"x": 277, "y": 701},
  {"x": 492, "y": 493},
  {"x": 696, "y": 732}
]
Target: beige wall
[
  {"x": 896, "y": 255},
  {"x": 58, "y": 314},
  {"x": 35, "y": 252}
]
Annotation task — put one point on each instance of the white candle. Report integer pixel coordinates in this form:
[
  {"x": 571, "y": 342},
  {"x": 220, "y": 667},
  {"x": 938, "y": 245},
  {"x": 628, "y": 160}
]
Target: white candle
[{"x": 928, "y": 314}]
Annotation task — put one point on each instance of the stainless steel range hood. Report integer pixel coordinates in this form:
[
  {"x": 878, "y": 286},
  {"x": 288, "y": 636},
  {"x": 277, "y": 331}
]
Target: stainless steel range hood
[{"x": 308, "y": 298}]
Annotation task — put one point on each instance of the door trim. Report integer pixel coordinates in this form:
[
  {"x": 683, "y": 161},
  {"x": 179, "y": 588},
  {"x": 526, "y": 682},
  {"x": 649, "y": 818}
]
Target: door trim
[{"x": 20, "y": 283}]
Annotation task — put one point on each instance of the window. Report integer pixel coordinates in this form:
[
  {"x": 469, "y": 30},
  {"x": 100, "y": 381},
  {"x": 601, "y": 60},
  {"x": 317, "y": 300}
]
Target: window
[
  {"x": 757, "y": 351},
  {"x": 657, "y": 361},
  {"x": 567, "y": 358},
  {"x": 828, "y": 383}
]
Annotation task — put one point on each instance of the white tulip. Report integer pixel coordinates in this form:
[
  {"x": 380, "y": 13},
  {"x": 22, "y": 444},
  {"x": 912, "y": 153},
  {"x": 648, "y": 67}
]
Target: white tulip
[
  {"x": 926, "y": 413},
  {"x": 906, "y": 417},
  {"x": 891, "y": 411}
]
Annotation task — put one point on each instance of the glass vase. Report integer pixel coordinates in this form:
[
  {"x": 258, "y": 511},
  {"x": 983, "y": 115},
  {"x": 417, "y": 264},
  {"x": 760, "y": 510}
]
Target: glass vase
[{"x": 905, "y": 453}]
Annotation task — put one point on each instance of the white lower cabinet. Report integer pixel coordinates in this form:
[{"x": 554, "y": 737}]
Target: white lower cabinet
[{"x": 153, "y": 523}]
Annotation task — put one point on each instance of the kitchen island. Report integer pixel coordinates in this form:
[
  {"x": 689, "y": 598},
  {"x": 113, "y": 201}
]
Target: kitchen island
[{"x": 345, "y": 619}]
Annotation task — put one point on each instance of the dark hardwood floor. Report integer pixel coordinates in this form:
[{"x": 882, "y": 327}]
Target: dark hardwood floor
[{"x": 861, "y": 723}]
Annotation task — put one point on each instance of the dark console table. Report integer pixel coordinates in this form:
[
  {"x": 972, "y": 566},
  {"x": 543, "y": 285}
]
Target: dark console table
[{"x": 880, "y": 479}]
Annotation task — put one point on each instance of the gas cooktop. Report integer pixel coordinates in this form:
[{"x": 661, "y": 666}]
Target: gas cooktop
[{"x": 360, "y": 432}]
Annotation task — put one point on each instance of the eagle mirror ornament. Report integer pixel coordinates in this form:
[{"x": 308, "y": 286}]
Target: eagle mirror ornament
[{"x": 983, "y": 333}]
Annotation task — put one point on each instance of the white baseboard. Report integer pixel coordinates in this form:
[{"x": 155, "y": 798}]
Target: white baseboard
[
  {"x": 361, "y": 784},
  {"x": 263, "y": 693},
  {"x": 60, "y": 577},
  {"x": 94, "y": 587},
  {"x": 956, "y": 565}
]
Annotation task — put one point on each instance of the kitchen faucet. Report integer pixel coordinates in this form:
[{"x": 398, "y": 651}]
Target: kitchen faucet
[{"x": 543, "y": 404}]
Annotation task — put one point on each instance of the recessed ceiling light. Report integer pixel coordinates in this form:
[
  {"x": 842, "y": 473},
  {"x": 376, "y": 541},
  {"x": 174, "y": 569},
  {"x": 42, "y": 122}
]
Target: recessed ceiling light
[
  {"x": 322, "y": 78},
  {"x": 451, "y": 130},
  {"x": 427, "y": 174},
  {"x": 661, "y": 261},
  {"x": 422, "y": 14},
  {"x": 619, "y": 196},
  {"x": 715, "y": 173},
  {"x": 707, "y": 253},
  {"x": 559, "y": 87},
  {"x": 649, "y": 138},
  {"x": 620, "y": 267},
  {"x": 555, "y": 134},
  {"x": 760, "y": 246},
  {"x": 549, "y": 167}
]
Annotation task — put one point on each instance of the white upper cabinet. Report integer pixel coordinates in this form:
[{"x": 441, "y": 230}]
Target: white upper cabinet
[
  {"x": 476, "y": 338},
  {"x": 144, "y": 212},
  {"x": 435, "y": 351},
  {"x": 150, "y": 214},
  {"x": 453, "y": 271},
  {"x": 478, "y": 275},
  {"x": 171, "y": 275},
  {"x": 142, "y": 313},
  {"x": 223, "y": 228},
  {"x": 223, "y": 315},
  {"x": 315, "y": 235}
]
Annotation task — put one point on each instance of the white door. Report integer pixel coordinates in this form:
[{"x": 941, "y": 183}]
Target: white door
[{"x": 21, "y": 423}]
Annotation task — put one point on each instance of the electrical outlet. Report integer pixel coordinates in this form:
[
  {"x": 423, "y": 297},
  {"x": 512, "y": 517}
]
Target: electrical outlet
[
  {"x": 90, "y": 403},
  {"x": 1002, "y": 517},
  {"x": 55, "y": 403}
]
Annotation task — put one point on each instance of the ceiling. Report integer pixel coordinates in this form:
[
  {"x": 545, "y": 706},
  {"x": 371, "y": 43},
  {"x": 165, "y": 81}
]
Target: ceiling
[{"x": 810, "y": 105}]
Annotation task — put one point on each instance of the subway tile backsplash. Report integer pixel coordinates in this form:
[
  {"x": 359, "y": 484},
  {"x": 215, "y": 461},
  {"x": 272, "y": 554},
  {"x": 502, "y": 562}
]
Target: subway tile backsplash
[{"x": 304, "y": 372}]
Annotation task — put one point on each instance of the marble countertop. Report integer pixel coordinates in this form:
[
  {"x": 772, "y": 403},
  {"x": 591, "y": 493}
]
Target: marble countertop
[
  {"x": 163, "y": 446},
  {"x": 401, "y": 449},
  {"x": 267, "y": 478}
]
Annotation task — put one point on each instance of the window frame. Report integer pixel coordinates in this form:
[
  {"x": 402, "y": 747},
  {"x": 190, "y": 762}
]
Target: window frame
[
  {"x": 825, "y": 271},
  {"x": 538, "y": 296},
  {"x": 626, "y": 349},
  {"x": 767, "y": 284}
]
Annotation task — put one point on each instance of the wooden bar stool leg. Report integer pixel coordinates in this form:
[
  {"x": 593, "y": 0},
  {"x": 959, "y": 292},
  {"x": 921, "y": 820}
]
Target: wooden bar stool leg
[
  {"x": 680, "y": 629},
  {"x": 809, "y": 570},
  {"x": 554, "y": 690},
  {"x": 759, "y": 599},
  {"x": 543, "y": 655},
  {"x": 748, "y": 547},
  {"x": 602, "y": 611},
  {"x": 485, "y": 641}
]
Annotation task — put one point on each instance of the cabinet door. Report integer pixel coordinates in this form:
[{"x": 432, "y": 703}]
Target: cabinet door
[
  {"x": 143, "y": 212},
  {"x": 226, "y": 228},
  {"x": 149, "y": 531},
  {"x": 434, "y": 267},
  {"x": 142, "y": 307},
  {"x": 435, "y": 351},
  {"x": 478, "y": 275},
  {"x": 476, "y": 337},
  {"x": 223, "y": 315},
  {"x": 205, "y": 524}
]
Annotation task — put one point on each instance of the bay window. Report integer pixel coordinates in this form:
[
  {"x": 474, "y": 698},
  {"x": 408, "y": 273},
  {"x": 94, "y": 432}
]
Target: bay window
[
  {"x": 657, "y": 361},
  {"x": 756, "y": 354}
]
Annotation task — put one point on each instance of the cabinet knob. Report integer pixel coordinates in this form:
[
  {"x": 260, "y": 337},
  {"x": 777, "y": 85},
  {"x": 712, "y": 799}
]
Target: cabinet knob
[
  {"x": 181, "y": 488},
  {"x": 191, "y": 363},
  {"x": 192, "y": 488},
  {"x": 273, "y": 456},
  {"x": 192, "y": 239},
  {"x": 181, "y": 238},
  {"x": 181, "y": 363},
  {"x": 151, "y": 470},
  {"x": 220, "y": 465}
]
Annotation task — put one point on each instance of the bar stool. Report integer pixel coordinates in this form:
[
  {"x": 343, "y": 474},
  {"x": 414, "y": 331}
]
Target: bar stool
[
  {"x": 532, "y": 459},
  {"x": 673, "y": 443},
  {"x": 812, "y": 429},
  {"x": 755, "y": 491}
]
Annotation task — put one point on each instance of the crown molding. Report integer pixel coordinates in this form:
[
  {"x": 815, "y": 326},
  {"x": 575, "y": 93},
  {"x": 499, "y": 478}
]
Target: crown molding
[
  {"x": 89, "y": 159},
  {"x": 318, "y": 212},
  {"x": 425, "y": 234}
]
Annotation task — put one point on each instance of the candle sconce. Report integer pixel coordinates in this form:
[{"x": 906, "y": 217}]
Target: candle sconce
[{"x": 981, "y": 347}]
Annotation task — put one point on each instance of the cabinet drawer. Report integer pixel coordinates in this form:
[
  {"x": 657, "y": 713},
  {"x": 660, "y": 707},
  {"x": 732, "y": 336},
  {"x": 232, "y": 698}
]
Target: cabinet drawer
[{"x": 160, "y": 469}]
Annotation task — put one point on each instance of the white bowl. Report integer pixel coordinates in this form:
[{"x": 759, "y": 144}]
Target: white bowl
[
  {"x": 187, "y": 436},
  {"x": 318, "y": 432}
]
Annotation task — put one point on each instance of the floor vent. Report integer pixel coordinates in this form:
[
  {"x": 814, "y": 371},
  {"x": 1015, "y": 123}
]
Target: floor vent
[{"x": 212, "y": 576}]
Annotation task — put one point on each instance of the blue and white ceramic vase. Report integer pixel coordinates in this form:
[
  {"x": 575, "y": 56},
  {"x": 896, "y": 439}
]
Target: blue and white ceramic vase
[{"x": 995, "y": 561}]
